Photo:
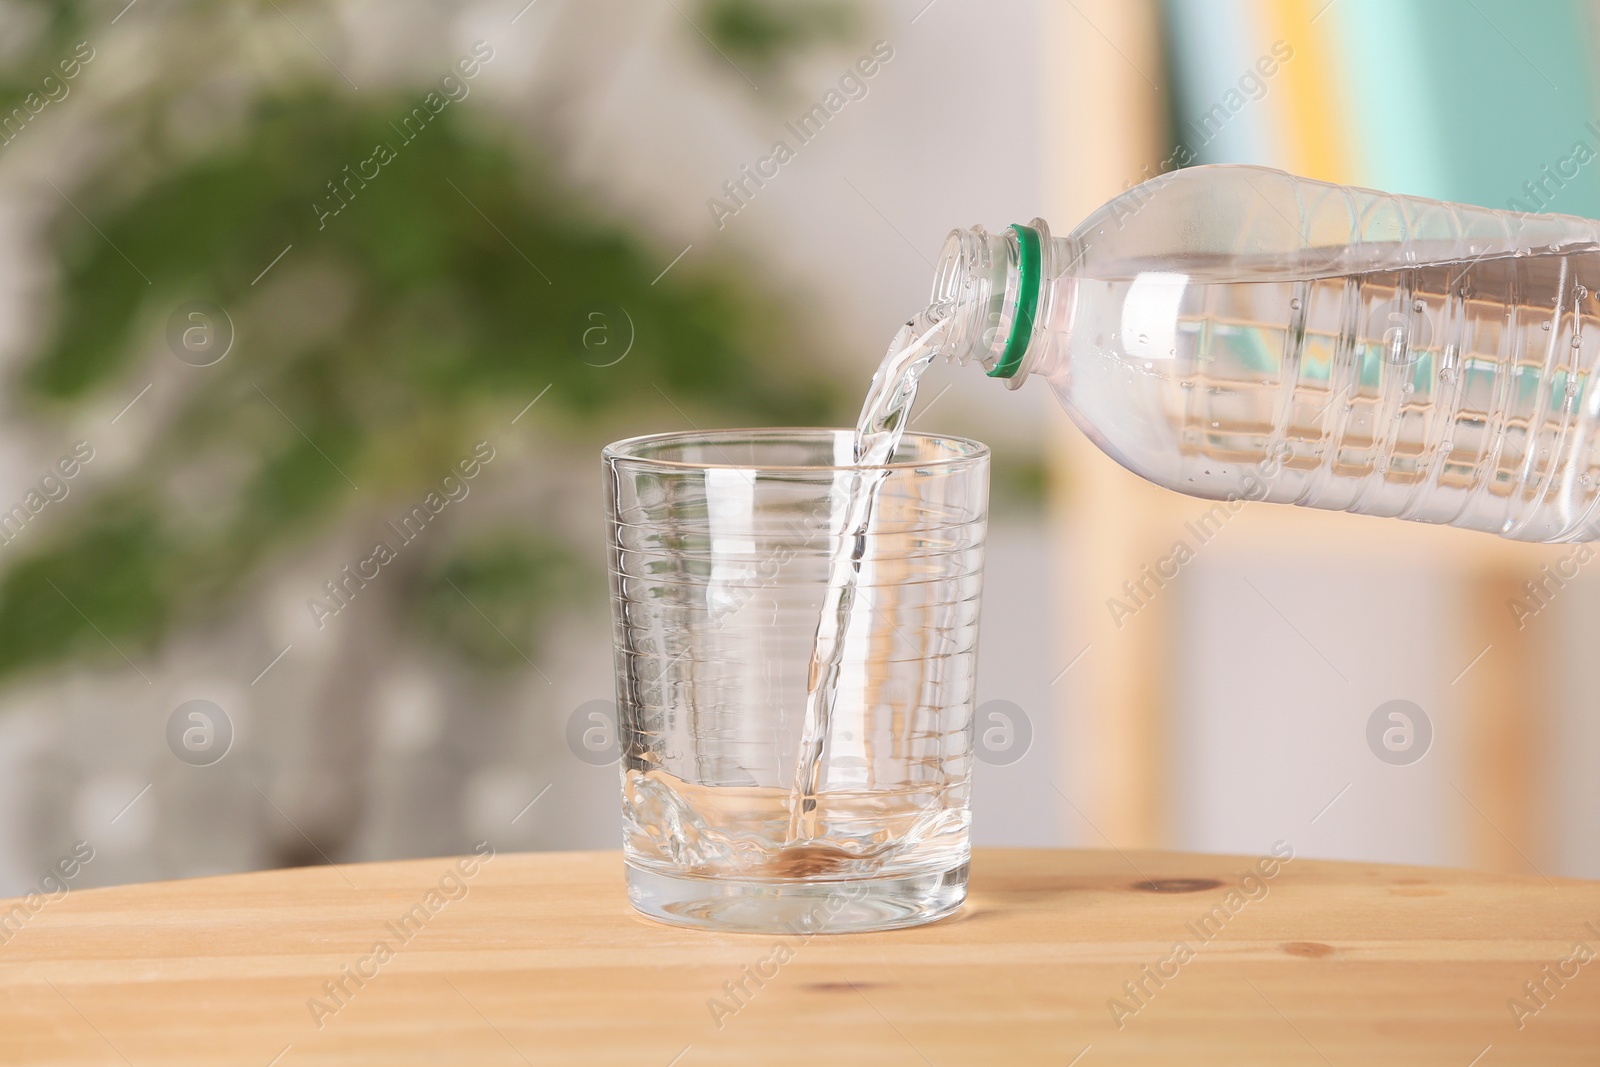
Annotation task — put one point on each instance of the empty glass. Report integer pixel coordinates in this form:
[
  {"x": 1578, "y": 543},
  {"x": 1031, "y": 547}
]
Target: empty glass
[{"x": 720, "y": 551}]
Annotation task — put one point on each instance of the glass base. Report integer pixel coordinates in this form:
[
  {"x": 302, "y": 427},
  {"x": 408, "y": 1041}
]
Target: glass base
[{"x": 817, "y": 907}]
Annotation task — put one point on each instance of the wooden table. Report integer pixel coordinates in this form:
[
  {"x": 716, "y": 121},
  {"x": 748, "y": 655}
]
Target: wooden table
[{"x": 537, "y": 959}]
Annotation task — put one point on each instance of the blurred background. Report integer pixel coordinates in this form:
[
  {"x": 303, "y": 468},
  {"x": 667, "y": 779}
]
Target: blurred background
[{"x": 270, "y": 271}]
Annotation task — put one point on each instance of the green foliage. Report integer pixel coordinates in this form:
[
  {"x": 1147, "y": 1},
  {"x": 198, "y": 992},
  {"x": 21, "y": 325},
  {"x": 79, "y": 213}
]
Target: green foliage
[
  {"x": 444, "y": 294},
  {"x": 115, "y": 575},
  {"x": 54, "y": 29},
  {"x": 758, "y": 34},
  {"x": 1018, "y": 481},
  {"x": 508, "y": 581}
]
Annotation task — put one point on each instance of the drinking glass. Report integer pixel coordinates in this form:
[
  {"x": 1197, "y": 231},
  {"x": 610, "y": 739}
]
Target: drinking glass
[{"x": 721, "y": 545}]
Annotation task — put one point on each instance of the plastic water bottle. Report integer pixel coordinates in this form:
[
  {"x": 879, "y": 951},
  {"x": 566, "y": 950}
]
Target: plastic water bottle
[{"x": 1238, "y": 332}]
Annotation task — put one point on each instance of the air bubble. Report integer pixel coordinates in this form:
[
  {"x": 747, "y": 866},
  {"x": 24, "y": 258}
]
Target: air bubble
[
  {"x": 1545, "y": 325},
  {"x": 1294, "y": 305},
  {"x": 1417, "y": 305},
  {"x": 1577, "y": 342}
]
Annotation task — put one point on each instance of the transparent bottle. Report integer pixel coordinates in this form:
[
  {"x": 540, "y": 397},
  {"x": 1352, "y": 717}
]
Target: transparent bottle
[{"x": 1232, "y": 331}]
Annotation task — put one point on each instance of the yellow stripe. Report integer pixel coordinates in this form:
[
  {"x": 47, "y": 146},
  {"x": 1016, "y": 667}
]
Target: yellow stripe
[{"x": 1315, "y": 132}]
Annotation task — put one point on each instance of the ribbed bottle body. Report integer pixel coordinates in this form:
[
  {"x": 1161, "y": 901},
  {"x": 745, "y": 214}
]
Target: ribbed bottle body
[{"x": 1235, "y": 331}]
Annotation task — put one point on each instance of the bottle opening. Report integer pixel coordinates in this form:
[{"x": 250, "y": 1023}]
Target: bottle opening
[{"x": 988, "y": 285}]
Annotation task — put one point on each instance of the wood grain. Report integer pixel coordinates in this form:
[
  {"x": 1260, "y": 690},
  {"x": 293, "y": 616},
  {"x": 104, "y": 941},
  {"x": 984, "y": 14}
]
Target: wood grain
[{"x": 539, "y": 960}]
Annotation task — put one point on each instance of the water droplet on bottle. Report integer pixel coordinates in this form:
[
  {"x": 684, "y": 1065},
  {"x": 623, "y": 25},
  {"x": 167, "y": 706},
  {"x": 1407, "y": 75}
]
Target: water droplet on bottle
[
  {"x": 1577, "y": 342},
  {"x": 1148, "y": 365},
  {"x": 1446, "y": 445},
  {"x": 1545, "y": 325},
  {"x": 1409, "y": 388},
  {"x": 1417, "y": 305},
  {"x": 1294, "y": 305}
]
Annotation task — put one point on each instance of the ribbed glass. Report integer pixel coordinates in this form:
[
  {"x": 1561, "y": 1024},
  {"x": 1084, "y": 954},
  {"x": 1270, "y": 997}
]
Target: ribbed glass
[{"x": 720, "y": 545}]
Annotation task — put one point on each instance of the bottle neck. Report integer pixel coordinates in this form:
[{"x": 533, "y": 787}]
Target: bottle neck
[{"x": 999, "y": 291}]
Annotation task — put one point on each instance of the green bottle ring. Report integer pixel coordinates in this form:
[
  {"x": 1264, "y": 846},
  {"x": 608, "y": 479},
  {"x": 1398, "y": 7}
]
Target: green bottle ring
[{"x": 1030, "y": 256}]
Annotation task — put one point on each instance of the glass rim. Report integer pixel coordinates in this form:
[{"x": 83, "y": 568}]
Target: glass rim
[{"x": 974, "y": 452}]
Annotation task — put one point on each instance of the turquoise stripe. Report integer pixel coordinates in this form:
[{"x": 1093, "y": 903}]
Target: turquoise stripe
[
  {"x": 1468, "y": 101},
  {"x": 1387, "y": 89},
  {"x": 1212, "y": 44}
]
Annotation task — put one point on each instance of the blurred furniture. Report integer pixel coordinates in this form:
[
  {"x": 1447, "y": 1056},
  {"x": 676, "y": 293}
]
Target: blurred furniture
[
  {"x": 1106, "y": 123},
  {"x": 1059, "y": 958}
]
